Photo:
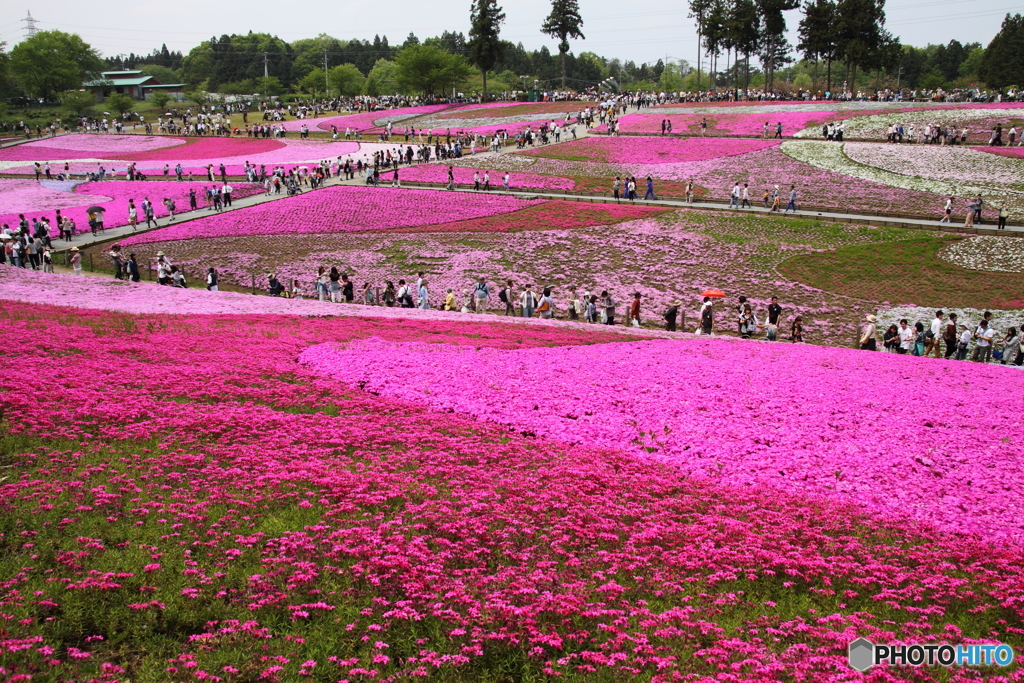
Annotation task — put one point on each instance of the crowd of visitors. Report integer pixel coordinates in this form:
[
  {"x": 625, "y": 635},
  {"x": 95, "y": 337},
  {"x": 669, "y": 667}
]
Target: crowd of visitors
[{"x": 980, "y": 341}]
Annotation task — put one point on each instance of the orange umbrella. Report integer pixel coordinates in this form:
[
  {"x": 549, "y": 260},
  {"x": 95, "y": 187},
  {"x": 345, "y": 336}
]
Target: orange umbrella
[{"x": 713, "y": 293}]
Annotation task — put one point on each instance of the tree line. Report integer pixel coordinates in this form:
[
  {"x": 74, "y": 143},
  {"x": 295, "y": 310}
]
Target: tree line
[{"x": 841, "y": 42}]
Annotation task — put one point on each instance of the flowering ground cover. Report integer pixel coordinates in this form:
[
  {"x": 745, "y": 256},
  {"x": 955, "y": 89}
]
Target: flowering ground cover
[
  {"x": 834, "y": 158},
  {"x": 914, "y": 272},
  {"x": 367, "y": 122},
  {"x": 28, "y": 196},
  {"x": 1012, "y": 152},
  {"x": 233, "y": 153},
  {"x": 666, "y": 257},
  {"x": 763, "y": 433},
  {"x": 214, "y": 509},
  {"x": 74, "y": 198},
  {"x": 724, "y": 123},
  {"x": 92, "y": 145},
  {"x": 941, "y": 163},
  {"x": 202, "y": 149},
  {"x": 823, "y": 177},
  {"x": 647, "y": 151},
  {"x": 513, "y": 109},
  {"x": 979, "y": 121},
  {"x": 342, "y": 208},
  {"x": 438, "y": 173},
  {"x": 982, "y": 252}
]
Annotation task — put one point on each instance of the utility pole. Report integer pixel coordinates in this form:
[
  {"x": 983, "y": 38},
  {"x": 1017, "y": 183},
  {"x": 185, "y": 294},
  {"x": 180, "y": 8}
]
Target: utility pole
[
  {"x": 326, "y": 86},
  {"x": 30, "y": 25},
  {"x": 266, "y": 73}
]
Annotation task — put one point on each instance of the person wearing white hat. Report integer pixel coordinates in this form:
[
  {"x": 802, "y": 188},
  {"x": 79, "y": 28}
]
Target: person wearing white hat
[
  {"x": 868, "y": 333},
  {"x": 76, "y": 260}
]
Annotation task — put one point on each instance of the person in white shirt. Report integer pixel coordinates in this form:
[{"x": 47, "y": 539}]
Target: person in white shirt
[
  {"x": 983, "y": 348},
  {"x": 734, "y": 196},
  {"x": 948, "y": 210},
  {"x": 907, "y": 335},
  {"x": 933, "y": 338},
  {"x": 963, "y": 343}
]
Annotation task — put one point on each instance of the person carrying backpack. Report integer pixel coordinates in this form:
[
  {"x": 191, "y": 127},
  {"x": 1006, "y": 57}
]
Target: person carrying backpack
[{"x": 506, "y": 297}]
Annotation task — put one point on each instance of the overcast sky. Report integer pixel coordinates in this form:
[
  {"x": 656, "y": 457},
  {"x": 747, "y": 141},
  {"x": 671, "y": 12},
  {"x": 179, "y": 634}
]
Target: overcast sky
[{"x": 652, "y": 30}]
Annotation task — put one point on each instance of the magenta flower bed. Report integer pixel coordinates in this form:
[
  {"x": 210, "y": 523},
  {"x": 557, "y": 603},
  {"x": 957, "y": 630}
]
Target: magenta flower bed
[
  {"x": 313, "y": 530},
  {"x": 93, "y": 145},
  {"x": 114, "y": 195},
  {"x": 743, "y": 414},
  {"x": 1011, "y": 152},
  {"x": 363, "y": 121},
  {"x": 729, "y": 124},
  {"x": 652, "y": 150},
  {"x": 208, "y": 149},
  {"x": 438, "y": 173},
  {"x": 342, "y": 209}
]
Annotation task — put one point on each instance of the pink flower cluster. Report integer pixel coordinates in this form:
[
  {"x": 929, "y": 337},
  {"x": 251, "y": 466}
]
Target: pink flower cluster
[
  {"x": 728, "y": 123},
  {"x": 342, "y": 208},
  {"x": 438, "y": 173},
  {"x": 305, "y": 527},
  {"x": 364, "y": 121},
  {"x": 648, "y": 150},
  {"x": 113, "y": 196},
  {"x": 807, "y": 420}
]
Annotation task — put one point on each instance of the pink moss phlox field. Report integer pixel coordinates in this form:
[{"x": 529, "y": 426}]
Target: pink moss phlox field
[
  {"x": 142, "y": 298},
  {"x": 113, "y": 196},
  {"x": 800, "y": 418},
  {"x": 342, "y": 209},
  {"x": 438, "y": 173},
  {"x": 190, "y": 477},
  {"x": 28, "y": 196},
  {"x": 728, "y": 123},
  {"x": 363, "y": 121},
  {"x": 1011, "y": 152},
  {"x": 83, "y": 145},
  {"x": 207, "y": 149},
  {"x": 650, "y": 150}
]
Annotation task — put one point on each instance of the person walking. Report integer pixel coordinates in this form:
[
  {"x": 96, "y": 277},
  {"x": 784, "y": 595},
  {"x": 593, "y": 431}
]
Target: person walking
[
  {"x": 707, "y": 316},
  {"x": 948, "y": 210},
  {"x": 546, "y": 305},
  {"x": 963, "y": 343},
  {"x": 480, "y": 294},
  {"x": 649, "y": 194},
  {"x": 949, "y": 336},
  {"x": 616, "y": 186},
  {"x": 528, "y": 301},
  {"x": 76, "y": 260},
  {"x": 734, "y": 197},
  {"x": 1011, "y": 347},
  {"x": 1003, "y": 215},
  {"x": 671, "y": 315},
  {"x": 745, "y": 197},
  {"x": 634, "y": 310},
  {"x": 983, "y": 336},
  {"x": 773, "y": 319},
  {"x": 933, "y": 336},
  {"x": 424, "y": 296},
  {"x": 212, "y": 282},
  {"x": 608, "y": 306},
  {"x": 572, "y": 306},
  {"x": 868, "y": 333},
  {"x": 507, "y": 297},
  {"x": 792, "y": 199}
]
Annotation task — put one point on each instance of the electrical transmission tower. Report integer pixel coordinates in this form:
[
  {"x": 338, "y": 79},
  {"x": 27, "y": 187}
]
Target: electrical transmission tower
[{"x": 30, "y": 25}]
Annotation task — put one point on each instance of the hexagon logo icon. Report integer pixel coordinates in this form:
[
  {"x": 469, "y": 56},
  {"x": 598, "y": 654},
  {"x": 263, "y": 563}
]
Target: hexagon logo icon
[{"x": 862, "y": 654}]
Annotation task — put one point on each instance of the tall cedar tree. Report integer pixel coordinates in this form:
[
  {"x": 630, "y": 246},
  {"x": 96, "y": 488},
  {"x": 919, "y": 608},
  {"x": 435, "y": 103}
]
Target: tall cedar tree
[
  {"x": 563, "y": 23},
  {"x": 1003, "y": 61},
  {"x": 485, "y": 47}
]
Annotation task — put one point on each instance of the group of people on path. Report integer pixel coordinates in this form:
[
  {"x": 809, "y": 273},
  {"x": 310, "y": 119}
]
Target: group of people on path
[{"x": 981, "y": 341}]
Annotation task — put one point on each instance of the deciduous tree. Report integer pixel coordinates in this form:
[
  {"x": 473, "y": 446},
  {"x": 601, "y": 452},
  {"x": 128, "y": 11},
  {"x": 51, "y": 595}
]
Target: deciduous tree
[{"x": 53, "y": 61}]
